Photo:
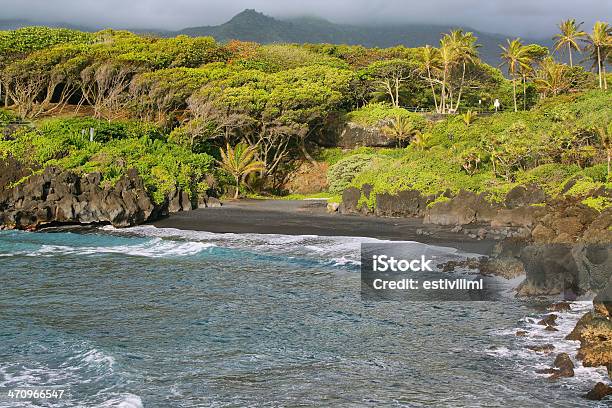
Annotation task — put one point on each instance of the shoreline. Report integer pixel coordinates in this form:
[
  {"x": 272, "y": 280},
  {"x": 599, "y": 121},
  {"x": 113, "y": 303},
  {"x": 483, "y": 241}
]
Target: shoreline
[{"x": 310, "y": 217}]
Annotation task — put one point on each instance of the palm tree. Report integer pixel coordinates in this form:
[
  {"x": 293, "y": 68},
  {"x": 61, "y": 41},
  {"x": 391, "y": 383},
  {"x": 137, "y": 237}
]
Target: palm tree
[
  {"x": 569, "y": 36},
  {"x": 240, "y": 162},
  {"x": 516, "y": 57},
  {"x": 466, "y": 51},
  {"x": 552, "y": 78},
  {"x": 535, "y": 54},
  {"x": 430, "y": 62},
  {"x": 447, "y": 60},
  {"x": 599, "y": 42},
  {"x": 400, "y": 129}
]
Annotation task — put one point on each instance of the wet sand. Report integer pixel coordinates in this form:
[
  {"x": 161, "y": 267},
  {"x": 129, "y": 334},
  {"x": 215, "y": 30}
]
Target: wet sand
[{"x": 309, "y": 217}]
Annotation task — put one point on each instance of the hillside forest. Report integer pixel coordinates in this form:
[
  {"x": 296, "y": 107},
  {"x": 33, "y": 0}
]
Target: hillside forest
[{"x": 239, "y": 118}]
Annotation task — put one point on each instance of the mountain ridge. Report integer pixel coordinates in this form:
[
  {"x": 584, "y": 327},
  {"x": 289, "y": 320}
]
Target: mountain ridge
[{"x": 251, "y": 25}]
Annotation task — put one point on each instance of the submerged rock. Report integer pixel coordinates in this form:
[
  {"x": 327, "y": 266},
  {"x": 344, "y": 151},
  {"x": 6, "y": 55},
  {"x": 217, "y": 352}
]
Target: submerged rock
[
  {"x": 563, "y": 365},
  {"x": 599, "y": 392},
  {"x": 549, "y": 320},
  {"x": 542, "y": 348},
  {"x": 560, "y": 307}
]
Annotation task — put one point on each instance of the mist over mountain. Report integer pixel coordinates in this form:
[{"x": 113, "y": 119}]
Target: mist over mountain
[{"x": 251, "y": 25}]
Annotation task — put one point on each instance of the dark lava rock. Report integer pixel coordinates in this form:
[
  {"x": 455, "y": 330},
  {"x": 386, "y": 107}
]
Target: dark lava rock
[
  {"x": 599, "y": 392},
  {"x": 542, "y": 348},
  {"x": 465, "y": 208},
  {"x": 63, "y": 197},
  {"x": 521, "y": 333},
  {"x": 560, "y": 307},
  {"x": 524, "y": 196},
  {"x": 549, "y": 320},
  {"x": 550, "y": 270},
  {"x": 469, "y": 263},
  {"x": 564, "y": 366},
  {"x": 506, "y": 267},
  {"x": 520, "y": 217},
  {"x": 355, "y": 135},
  {"x": 408, "y": 203},
  {"x": 350, "y": 199}
]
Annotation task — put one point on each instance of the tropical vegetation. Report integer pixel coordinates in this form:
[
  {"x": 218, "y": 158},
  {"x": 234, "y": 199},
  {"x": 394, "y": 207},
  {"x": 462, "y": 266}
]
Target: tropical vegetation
[{"x": 204, "y": 115}]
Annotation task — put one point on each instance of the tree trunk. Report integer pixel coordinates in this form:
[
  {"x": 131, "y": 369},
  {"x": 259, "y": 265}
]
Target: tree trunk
[
  {"x": 599, "y": 68},
  {"x": 524, "y": 92},
  {"x": 460, "y": 88},
  {"x": 433, "y": 90},
  {"x": 443, "y": 95},
  {"x": 569, "y": 48},
  {"x": 305, "y": 152},
  {"x": 609, "y": 159},
  {"x": 514, "y": 92},
  {"x": 237, "y": 188},
  {"x": 397, "y": 85}
]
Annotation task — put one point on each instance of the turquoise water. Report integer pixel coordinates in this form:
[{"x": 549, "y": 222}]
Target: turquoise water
[{"x": 168, "y": 318}]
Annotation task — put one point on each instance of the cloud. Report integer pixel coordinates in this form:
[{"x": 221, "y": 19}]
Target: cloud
[{"x": 516, "y": 17}]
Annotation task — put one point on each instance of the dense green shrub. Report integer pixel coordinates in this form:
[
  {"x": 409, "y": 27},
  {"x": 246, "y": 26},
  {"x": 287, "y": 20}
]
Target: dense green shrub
[
  {"x": 104, "y": 131},
  {"x": 550, "y": 176},
  {"x": 28, "y": 39},
  {"x": 117, "y": 147},
  {"x": 344, "y": 171},
  {"x": 375, "y": 114},
  {"x": 279, "y": 57},
  {"x": 6, "y": 116}
]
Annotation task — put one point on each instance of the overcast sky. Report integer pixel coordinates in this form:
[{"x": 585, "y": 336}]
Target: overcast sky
[{"x": 516, "y": 17}]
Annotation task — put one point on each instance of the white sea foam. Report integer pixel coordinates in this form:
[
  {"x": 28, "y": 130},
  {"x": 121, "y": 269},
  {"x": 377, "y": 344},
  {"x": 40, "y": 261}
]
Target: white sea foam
[
  {"x": 154, "y": 248},
  {"x": 538, "y": 335},
  {"x": 90, "y": 359},
  {"x": 334, "y": 250},
  {"x": 123, "y": 401}
]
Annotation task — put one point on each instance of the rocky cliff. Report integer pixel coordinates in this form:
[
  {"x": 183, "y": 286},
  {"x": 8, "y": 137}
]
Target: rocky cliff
[{"x": 53, "y": 197}]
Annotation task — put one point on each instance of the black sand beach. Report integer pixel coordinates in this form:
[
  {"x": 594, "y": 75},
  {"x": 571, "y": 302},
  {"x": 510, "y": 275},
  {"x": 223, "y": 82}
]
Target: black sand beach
[{"x": 309, "y": 217}]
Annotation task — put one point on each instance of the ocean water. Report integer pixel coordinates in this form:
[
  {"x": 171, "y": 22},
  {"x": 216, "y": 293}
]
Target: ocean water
[{"x": 167, "y": 318}]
